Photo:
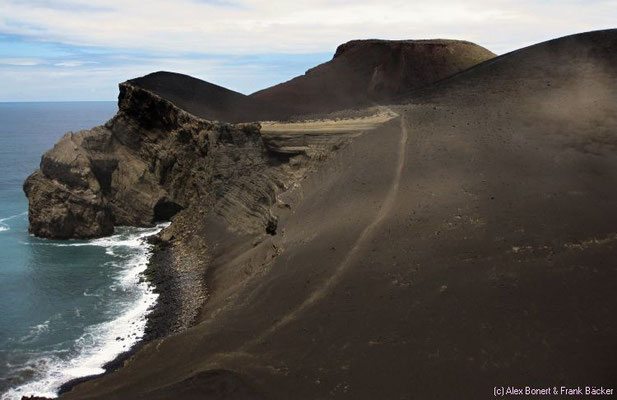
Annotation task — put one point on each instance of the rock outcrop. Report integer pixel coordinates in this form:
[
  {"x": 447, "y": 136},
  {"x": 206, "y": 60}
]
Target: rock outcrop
[
  {"x": 66, "y": 196},
  {"x": 147, "y": 163}
]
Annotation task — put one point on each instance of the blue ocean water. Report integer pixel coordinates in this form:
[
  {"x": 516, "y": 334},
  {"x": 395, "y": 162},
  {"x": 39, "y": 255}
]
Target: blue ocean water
[{"x": 66, "y": 307}]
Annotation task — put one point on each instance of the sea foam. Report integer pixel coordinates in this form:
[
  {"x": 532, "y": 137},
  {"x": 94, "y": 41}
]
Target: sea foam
[
  {"x": 102, "y": 342},
  {"x": 4, "y": 226}
]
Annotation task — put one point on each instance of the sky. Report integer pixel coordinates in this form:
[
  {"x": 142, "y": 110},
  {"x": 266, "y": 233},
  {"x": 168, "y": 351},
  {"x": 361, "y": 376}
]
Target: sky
[{"x": 75, "y": 50}]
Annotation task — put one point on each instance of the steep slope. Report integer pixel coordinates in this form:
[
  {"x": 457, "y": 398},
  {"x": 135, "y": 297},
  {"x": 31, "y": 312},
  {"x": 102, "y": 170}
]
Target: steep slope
[
  {"x": 468, "y": 244},
  {"x": 208, "y": 101},
  {"x": 365, "y": 72}
]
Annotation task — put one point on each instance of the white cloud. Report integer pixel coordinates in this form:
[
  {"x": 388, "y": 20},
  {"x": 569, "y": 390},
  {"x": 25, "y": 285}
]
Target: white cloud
[
  {"x": 22, "y": 62},
  {"x": 73, "y": 63},
  {"x": 92, "y": 81},
  {"x": 271, "y": 26},
  {"x": 204, "y": 38}
]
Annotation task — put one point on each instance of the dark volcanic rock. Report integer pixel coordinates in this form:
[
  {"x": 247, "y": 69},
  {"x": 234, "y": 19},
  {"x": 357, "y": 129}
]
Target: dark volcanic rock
[
  {"x": 365, "y": 72},
  {"x": 66, "y": 196},
  {"x": 147, "y": 163}
]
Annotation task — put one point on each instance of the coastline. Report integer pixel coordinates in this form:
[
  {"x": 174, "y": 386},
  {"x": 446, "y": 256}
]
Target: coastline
[
  {"x": 162, "y": 320},
  {"x": 152, "y": 271}
]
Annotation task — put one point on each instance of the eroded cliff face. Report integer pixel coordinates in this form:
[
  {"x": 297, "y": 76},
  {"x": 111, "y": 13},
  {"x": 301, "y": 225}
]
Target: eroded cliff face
[{"x": 151, "y": 161}]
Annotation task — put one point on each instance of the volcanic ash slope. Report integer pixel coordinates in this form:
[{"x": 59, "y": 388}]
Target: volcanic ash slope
[{"x": 468, "y": 243}]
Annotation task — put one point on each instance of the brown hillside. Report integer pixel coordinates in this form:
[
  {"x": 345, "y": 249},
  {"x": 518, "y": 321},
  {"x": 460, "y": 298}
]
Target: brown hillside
[
  {"x": 207, "y": 100},
  {"x": 364, "y": 72}
]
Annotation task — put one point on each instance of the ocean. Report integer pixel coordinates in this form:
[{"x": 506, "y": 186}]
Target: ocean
[{"x": 66, "y": 307}]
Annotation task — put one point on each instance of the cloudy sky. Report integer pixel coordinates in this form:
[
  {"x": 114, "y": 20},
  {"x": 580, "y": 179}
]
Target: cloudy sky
[{"x": 80, "y": 49}]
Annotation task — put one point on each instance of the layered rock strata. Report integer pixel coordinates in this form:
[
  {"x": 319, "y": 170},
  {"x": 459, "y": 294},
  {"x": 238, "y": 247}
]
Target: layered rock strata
[{"x": 151, "y": 161}]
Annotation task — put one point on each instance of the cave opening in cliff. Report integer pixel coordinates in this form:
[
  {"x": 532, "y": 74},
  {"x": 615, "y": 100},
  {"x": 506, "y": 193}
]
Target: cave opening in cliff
[
  {"x": 271, "y": 227},
  {"x": 103, "y": 171},
  {"x": 164, "y": 210}
]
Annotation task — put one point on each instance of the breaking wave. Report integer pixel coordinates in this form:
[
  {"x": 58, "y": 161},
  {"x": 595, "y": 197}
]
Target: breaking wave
[
  {"x": 99, "y": 343},
  {"x": 4, "y": 226}
]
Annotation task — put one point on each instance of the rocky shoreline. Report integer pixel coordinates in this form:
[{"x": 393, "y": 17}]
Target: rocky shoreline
[{"x": 163, "y": 320}]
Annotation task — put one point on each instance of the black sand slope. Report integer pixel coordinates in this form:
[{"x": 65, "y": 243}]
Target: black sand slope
[
  {"x": 207, "y": 100},
  {"x": 469, "y": 243}
]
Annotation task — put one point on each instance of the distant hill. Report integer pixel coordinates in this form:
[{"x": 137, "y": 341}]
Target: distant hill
[
  {"x": 365, "y": 72},
  {"x": 572, "y": 62},
  {"x": 361, "y": 73},
  {"x": 207, "y": 100}
]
